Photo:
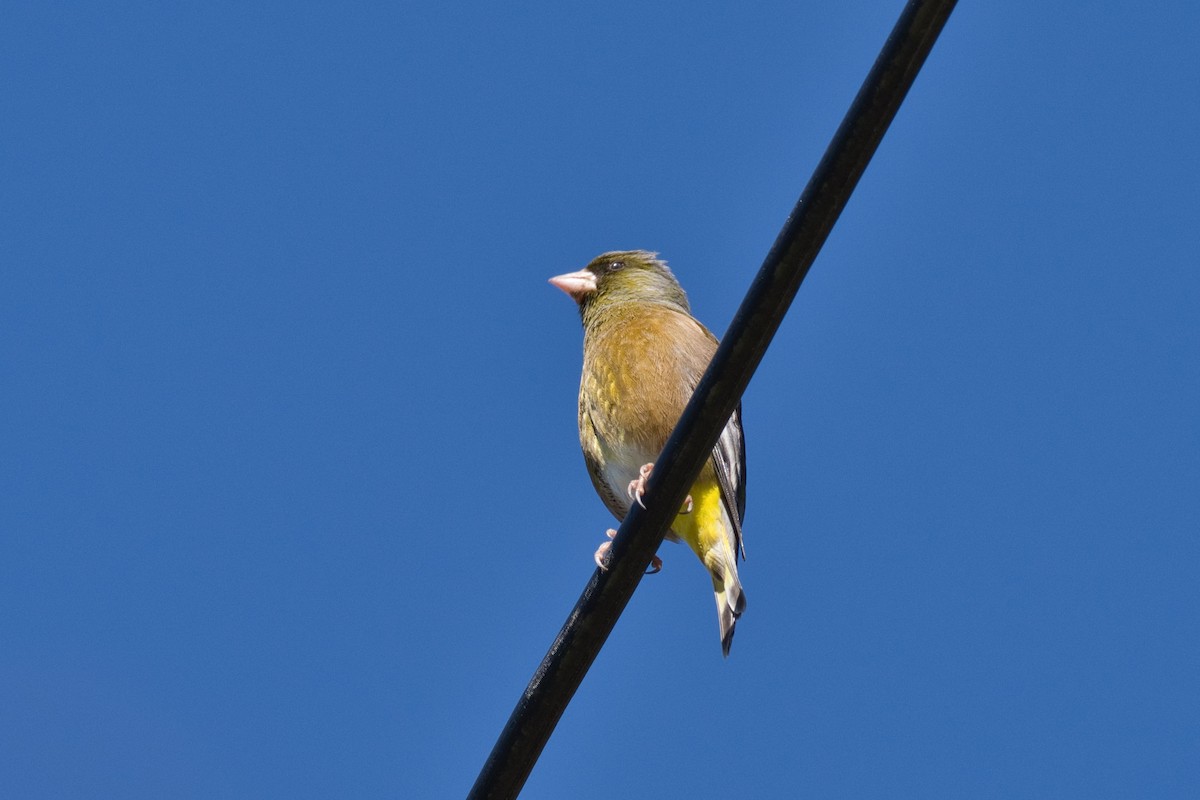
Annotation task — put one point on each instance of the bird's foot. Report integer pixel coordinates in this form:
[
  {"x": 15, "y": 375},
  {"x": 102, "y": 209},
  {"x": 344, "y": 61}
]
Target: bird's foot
[
  {"x": 637, "y": 486},
  {"x": 601, "y": 556}
]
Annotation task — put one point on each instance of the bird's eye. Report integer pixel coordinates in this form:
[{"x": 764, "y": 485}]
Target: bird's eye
[{"x": 616, "y": 265}]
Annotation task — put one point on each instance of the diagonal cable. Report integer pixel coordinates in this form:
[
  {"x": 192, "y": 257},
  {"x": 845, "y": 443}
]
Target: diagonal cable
[{"x": 691, "y": 444}]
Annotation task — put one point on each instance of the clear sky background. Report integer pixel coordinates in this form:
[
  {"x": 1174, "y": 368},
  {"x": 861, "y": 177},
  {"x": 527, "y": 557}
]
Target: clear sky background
[{"x": 291, "y": 500}]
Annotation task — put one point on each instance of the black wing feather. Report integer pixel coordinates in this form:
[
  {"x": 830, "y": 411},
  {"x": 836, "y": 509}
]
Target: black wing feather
[{"x": 729, "y": 457}]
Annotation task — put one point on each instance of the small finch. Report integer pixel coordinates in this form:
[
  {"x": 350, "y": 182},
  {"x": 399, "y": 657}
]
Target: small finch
[{"x": 643, "y": 354}]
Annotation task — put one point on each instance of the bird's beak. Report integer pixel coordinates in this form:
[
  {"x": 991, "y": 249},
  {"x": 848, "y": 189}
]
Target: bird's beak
[{"x": 576, "y": 284}]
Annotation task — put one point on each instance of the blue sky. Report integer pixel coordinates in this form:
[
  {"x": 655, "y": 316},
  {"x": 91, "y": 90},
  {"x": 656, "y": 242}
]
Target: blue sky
[{"x": 291, "y": 502}]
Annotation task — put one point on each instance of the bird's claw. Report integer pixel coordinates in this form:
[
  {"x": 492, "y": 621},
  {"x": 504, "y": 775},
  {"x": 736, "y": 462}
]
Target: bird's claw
[
  {"x": 601, "y": 556},
  {"x": 637, "y": 486}
]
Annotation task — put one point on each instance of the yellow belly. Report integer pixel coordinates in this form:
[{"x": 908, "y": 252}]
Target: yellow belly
[{"x": 703, "y": 529}]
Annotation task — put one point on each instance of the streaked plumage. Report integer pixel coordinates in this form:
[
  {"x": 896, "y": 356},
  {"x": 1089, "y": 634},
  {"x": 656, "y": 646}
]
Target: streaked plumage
[{"x": 643, "y": 354}]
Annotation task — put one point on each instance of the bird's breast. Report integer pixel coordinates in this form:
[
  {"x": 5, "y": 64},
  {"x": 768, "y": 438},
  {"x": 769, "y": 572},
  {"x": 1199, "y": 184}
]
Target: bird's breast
[{"x": 637, "y": 379}]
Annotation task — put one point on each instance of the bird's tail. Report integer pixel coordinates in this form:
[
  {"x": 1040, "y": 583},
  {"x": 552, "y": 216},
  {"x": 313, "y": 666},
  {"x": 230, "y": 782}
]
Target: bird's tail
[
  {"x": 708, "y": 530},
  {"x": 731, "y": 601}
]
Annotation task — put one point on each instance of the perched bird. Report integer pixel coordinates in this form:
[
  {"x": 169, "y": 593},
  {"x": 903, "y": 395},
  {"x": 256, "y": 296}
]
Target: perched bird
[{"x": 643, "y": 354}]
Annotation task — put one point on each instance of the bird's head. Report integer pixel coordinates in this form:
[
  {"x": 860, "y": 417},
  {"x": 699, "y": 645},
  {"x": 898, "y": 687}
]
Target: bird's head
[{"x": 628, "y": 276}]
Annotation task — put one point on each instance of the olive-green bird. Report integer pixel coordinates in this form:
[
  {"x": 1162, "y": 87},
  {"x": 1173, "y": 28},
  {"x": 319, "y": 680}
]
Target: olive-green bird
[{"x": 643, "y": 355}]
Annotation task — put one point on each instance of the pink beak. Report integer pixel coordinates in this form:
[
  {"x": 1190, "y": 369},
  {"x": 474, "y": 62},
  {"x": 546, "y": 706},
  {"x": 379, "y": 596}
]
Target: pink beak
[{"x": 576, "y": 284}]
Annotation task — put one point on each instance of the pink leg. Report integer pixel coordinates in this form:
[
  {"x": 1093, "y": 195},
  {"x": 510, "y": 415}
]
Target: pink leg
[
  {"x": 601, "y": 556},
  {"x": 637, "y": 488}
]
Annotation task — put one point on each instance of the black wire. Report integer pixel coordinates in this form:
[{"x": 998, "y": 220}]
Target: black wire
[{"x": 691, "y": 444}]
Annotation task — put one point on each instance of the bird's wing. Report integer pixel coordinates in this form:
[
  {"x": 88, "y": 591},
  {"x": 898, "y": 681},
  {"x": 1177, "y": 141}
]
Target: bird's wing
[
  {"x": 594, "y": 458},
  {"x": 729, "y": 461},
  {"x": 729, "y": 456}
]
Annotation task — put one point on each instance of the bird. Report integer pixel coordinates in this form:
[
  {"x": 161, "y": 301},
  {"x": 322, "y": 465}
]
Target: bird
[{"x": 643, "y": 355}]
